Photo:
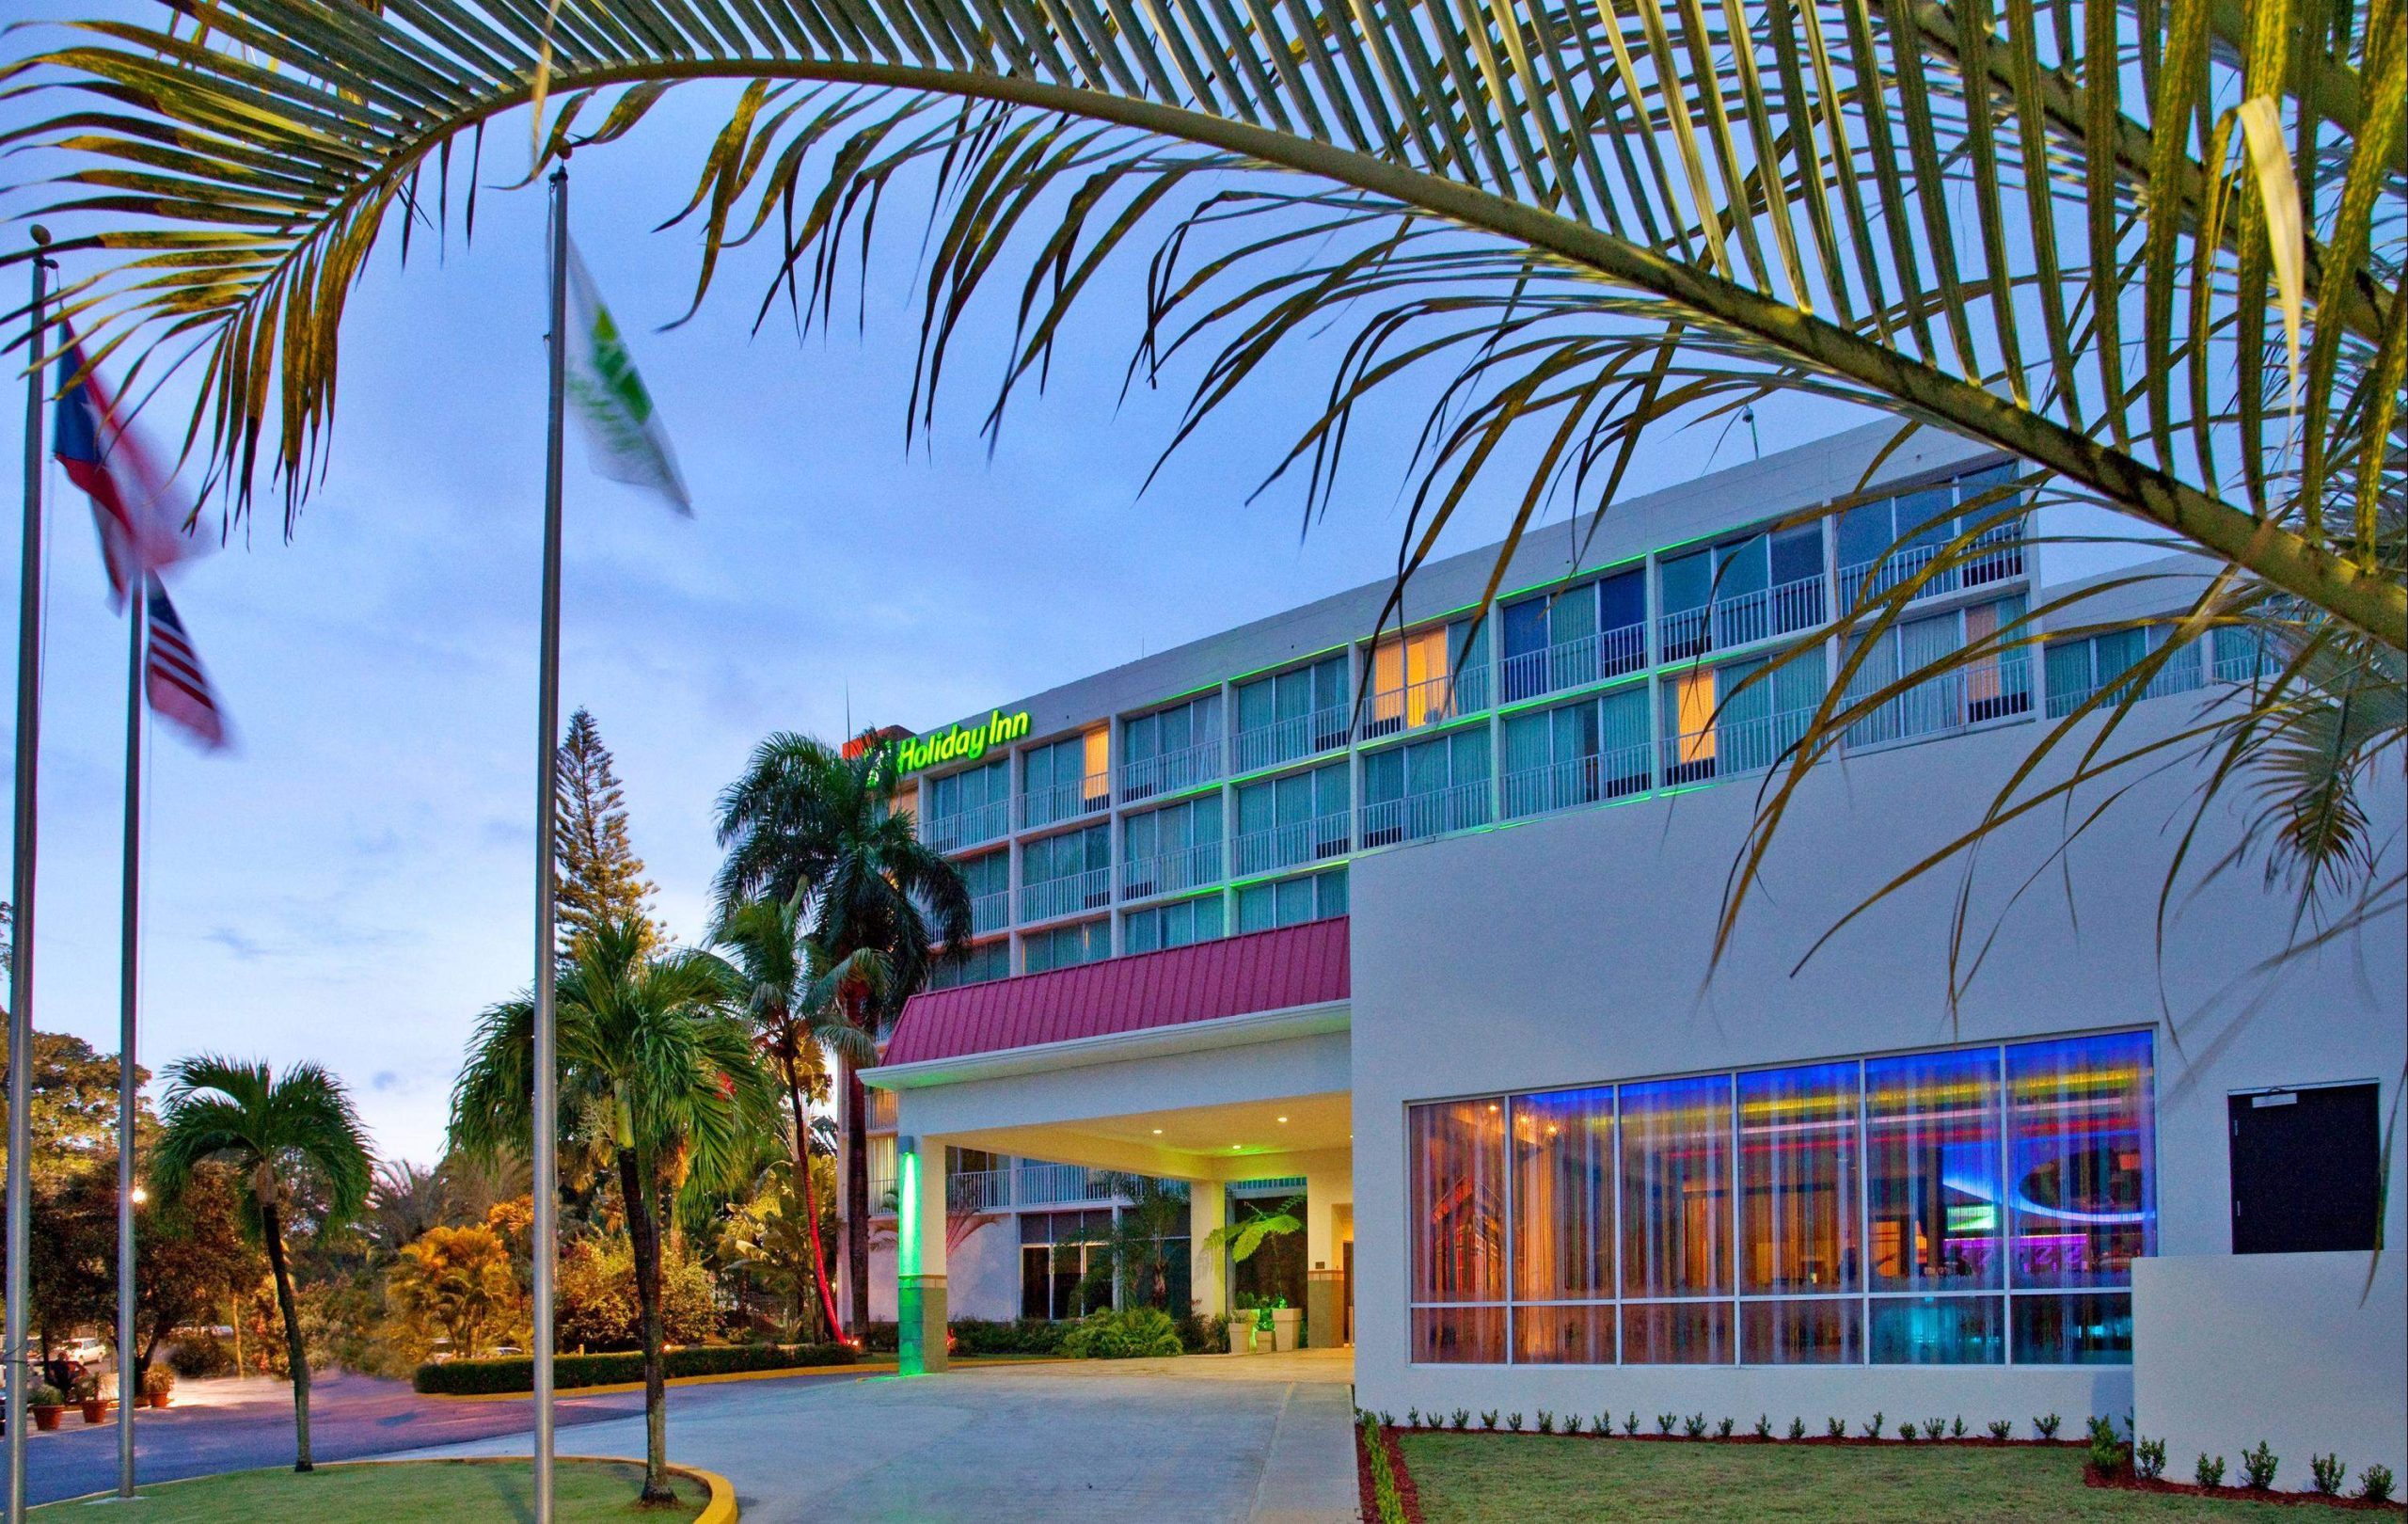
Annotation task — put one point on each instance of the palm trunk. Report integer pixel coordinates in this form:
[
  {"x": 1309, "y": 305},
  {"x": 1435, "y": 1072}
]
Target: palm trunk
[
  {"x": 296, "y": 1352},
  {"x": 810, "y": 1199},
  {"x": 643, "y": 1236},
  {"x": 857, "y": 1202}
]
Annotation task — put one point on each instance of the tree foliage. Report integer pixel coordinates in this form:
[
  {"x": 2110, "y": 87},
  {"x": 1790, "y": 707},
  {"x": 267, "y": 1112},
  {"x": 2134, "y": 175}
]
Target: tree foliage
[{"x": 601, "y": 879}]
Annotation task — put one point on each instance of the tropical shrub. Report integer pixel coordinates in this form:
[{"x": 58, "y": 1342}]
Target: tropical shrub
[
  {"x": 2107, "y": 1450},
  {"x": 1873, "y": 1430},
  {"x": 1835, "y": 1428},
  {"x": 2210, "y": 1474},
  {"x": 2374, "y": 1484},
  {"x": 199, "y": 1356},
  {"x": 1906, "y": 1431},
  {"x": 2149, "y": 1458},
  {"x": 1463, "y": 1418},
  {"x": 2046, "y": 1427},
  {"x": 1513, "y": 1421},
  {"x": 2258, "y": 1468},
  {"x": 517, "y": 1372},
  {"x": 595, "y": 1306},
  {"x": 1131, "y": 1334},
  {"x": 1488, "y": 1419},
  {"x": 1763, "y": 1426},
  {"x": 2001, "y": 1429},
  {"x": 2327, "y": 1473},
  {"x": 1797, "y": 1428}
]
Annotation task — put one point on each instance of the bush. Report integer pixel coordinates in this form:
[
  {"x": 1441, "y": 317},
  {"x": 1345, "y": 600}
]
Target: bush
[
  {"x": 2001, "y": 1429},
  {"x": 2046, "y": 1427},
  {"x": 2107, "y": 1454},
  {"x": 199, "y": 1356},
  {"x": 1835, "y": 1428},
  {"x": 1200, "y": 1334},
  {"x": 516, "y": 1374},
  {"x": 2258, "y": 1468},
  {"x": 1693, "y": 1426},
  {"x": 1513, "y": 1423},
  {"x": 1462, "y": 1419},
  {"x": 1907, "y": 1433},
  {"x": 2374, "y": 1484},
  {"x": 1797, "y": 1428},
  {"x": 157, "y": 1380},
  {"x": 1763, "y": 1426},
  {"x": 1021, "y": 1335},
  {"x": 2327, "y": 1473},
  {"x": 45, "y": 1395},
  {"x": 2149, "y": 1458},
  {"x": 1873, "y": 1430},
  {"x": 1139, "y": 1332},
  {"x": 2210, "y": 1474}
]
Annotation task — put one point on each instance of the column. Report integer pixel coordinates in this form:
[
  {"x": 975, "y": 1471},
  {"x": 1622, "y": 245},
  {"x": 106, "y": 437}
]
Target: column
[
  {"x": 1325, "y": 1274},
  {"x": 919, "y": 1254},
  {"x": 1208, "y": 1284}
]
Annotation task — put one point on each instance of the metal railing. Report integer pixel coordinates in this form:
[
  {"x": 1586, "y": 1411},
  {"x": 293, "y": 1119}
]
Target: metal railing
[
  {"x": 1430, "y": 702},
  {"x": 881, "y": 1195},
  {"x": 1066, "y": 896},
  {"x": 2244, "y": 656},
  {"x": 1741, "y": 619},
  {"x": 1285, "y": 740},
  {"x": 2184, "y": 672},
  {"x": 978, "y": 1190},
  {"x": 879, "y": 1113},
  {"x": 981, "y": 824},
  {"x": 1182, "y": 868},
  {"x": 1996, "y": 690},
  {"x": 1996, "y": 557},
  {"x": 1608, "y": 653},
  {"x": 1146, "y": 776},
  {"x": 990, "y": 912},
  {"x": 1064, "y": 801},
  {"x": 1582, "y": 780},
  {"x": 1285, "y": 845},
  {"x": 1730, "y": 747},
  {"x": 1419, "y": 816},
  {"x": 1053, "y": 1184}
]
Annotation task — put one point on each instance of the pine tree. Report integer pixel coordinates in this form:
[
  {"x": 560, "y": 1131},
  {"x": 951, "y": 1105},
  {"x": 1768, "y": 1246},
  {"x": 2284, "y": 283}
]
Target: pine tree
[{"x": 601, "y": 879}]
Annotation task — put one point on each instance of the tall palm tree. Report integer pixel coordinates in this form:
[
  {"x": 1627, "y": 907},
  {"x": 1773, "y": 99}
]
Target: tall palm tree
[
  {"x": 807, "y": 824},
  {"x": 797, "y": 998},
  {"x": 653, "y": 1061},
  {"x": 279, "y": 1133}
]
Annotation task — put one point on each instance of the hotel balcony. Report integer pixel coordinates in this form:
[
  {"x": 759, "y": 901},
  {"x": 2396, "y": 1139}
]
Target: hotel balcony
[
  {"x": 1069, "y": 895},
  {"x": 1433, "y": 813},
  {"x": 971, "y": 827},
  {"x": 1730, "y": 747},
  {"x": 2184, "y": 672},
  {"x": 1291, "y": 740},
  {"x": 1580, "y": 779},
  {"x": 990, "y": 912},
  {"x": 1430, "y": 702},
  {"x": 1741, "y": 619},
  {"x": 1065, "y": 801},
  {"x": 1146, "y": 776},
  {"x": 1286, "y": 845},
  {"x": 1058, "y": 1184},
  {"x": 1184, "y": 868},
  {"x": 1996, "y": 557},
  {"x": 1995, "y": 690},
  {"x": 1573, "y": 663}
]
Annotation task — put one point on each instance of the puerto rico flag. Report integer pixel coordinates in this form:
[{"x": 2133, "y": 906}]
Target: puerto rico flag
[
  {"x": 178, "y": 688},
  {"x": 134, "y": 503}
]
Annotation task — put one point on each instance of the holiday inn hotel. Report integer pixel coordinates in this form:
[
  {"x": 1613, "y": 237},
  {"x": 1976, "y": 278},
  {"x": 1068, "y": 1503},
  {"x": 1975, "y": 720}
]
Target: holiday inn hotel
[{"x": 1434, "y": 968}]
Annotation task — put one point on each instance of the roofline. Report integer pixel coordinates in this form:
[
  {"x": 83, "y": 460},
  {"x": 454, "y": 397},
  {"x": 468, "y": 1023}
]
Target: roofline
[{"x": 1242, "y": 1030}]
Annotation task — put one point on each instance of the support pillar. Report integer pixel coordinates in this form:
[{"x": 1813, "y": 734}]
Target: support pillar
[
  {"x": 1324, "y": 1271},
  {"x": 1208, "y": 1282},
  {"x": 920, "y": 1312}
]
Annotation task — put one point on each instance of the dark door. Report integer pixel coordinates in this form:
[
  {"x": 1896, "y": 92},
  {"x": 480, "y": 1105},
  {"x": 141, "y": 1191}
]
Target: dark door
[{"x": 2303, "y": 1166}]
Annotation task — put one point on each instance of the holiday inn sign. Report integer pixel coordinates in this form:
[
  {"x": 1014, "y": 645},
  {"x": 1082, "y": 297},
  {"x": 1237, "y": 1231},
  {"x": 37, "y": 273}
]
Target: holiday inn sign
[{"x": 960, "y": 744}]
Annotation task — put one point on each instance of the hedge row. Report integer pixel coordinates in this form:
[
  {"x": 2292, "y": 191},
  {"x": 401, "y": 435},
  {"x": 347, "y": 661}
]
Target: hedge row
[
  {"x": 516, "y": 1374},
  {"x": 1198, "y": 1334}
]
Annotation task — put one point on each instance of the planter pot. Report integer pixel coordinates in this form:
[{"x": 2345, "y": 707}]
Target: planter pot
[
  {"x": 47, "y": 1417},
  {"x": 1283, "y": 1327},
  {"x": 97, "y": 1411},
  {"x": 1239, "y": 1329},
  {"x": 157, "y": 1399}
]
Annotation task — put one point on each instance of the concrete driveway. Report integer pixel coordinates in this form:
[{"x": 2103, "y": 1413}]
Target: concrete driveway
[{"x": 1203, "y": 1439}]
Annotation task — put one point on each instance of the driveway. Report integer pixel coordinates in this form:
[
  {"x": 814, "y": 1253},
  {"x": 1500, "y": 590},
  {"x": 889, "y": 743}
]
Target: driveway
[{"x": 1203, "y": 1439}]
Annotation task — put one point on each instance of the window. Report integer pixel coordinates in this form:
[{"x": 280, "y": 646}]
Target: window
[
  {"x": 1892, "y": 541},
  {"x": 969, "y": 807},
  {"x": 1426, "y": 788},
  {"x": 1563, "y": 640},
  {"x": 1974, "y": 1206},
  {"x": 2079, "y": 668},
  {"x": 1286, "y": 821},
  {"x": 1063, "y": 875},
  {"x": 1315, "y": 897},
  {"x": 1428, "y": 677},
  {"x": 2245, "y": 655},
  {"x": 1989, "y": 687},
  {"x": 1716, "y": 722},
  {"x": 1742, "y": 591},
  {"x": 988, "y": 879},
  {"x": 1065, "y": 946},
  {"x": 1172, "y": 849},
  {"x": 1056, "y": 1250},
  {"x": 1172, "y": 926},
  {"x": 1577, "y": 753},
  {"x": 1291, "y": 714},
  {"x": 984, "y": 960},
  {"x": 1171, "y": 748},
  {"x": 1066, "y": 778}
]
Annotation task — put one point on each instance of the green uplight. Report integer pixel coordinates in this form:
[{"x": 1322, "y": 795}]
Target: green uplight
[{"x": 907, "y": 1215}]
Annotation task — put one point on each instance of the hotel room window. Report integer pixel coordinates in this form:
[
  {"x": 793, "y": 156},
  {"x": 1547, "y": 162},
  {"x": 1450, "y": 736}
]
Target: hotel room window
[
  {"x": 1065, "y": 946},
  {"x": 1555, "y": 641},
  {"x": 1066, "y": 778},
  {"x": 1457, "y": 1193},
  {"x": 968, "y": 807},
  {"x": 1171, "y": 748},
  {"x": 1931, "y": 1125},
  {"x": 1577, "y": 754},
  {"x": 988, "y": 878},
  {"x": 1172, "y": 926},
  {"x": 1799, "y": 1204},
  {"x": 1175, "y": 848},
  {"x": 1428, "y": 677},
  {"x": 1563, "y": 1220},
  {"x": 1677, "y": 1222},
  {"x": 1293, "y": 714},
  {"x": 984, "y": 961},
  {"x": 1299, "y": 818},
  {"x": 1719, "y": 723},
  {"x": 1063, "y": 875},
  {"x": 1316, "y": 897},
  {"x": 1426, "y": 788}
]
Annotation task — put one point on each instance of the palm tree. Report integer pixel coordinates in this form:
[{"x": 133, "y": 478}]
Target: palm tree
[
  {"x": 798, "y": 999},
  {"x": 1134, "y": 1257},
  {"x": 406, "y": 1200},
  {"x": 280, "y": 1133},
  {"x": 806, "y": 824},
  {"x": 655, "y": 1066}
]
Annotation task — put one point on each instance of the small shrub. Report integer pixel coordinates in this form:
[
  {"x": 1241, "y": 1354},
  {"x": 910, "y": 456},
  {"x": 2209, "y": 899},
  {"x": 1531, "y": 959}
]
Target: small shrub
[
  {"x": 1462, "y": 1420},
  {"x": 1763, "y": 1426},
  {"x": 1547, "y": 1422},
  {"x": 2047, "y": 1427},
  {"x": 1835, "y": 1428},
  {"x": 2210, "y": 1474},
  {"x": 1907, "y": 1433},
  {"x": 1664, "y": 1421},
  {"x": 1602, "y": 1425},
  {"x": 1797, "y": 1428},
  {"x": 1133, "y": 1334},
  {"x": 2258, "y": 1468},
  {"x": 2374, "y": 1484},
  {"x": 1873, "y": 1430},
  {"x": 1630, "y": 1424},
  {"x": 1723, "y": 1430},
  {"x": 1488, "y": 1419},
  {"x": 2149, "y": 1458},
  {"x": 2328, "y": 1473},
  {"x": 2107, "y": 1453},
  {"x": 1956, "y": 1427},
  {"x": 1513, "y": 1421},
  {"x": 1413, "y": 1417},
  {"x": 517, "y": 1372},
  {"x": 45, "y": 1395},
  {"x": 1693, "y": 1426},
  {"x": 1388, "y": 1419},
  {"x": 2001, "y": 1429}
]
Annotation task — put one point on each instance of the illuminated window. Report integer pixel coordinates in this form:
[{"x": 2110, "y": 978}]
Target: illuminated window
[
  {"x": 1066, "y": 778},
  {"x": 1430, "y": 675},
  {"x": 1740, "y": 717},
  {"x": 1458, "y": 1202},
  {"x": 1676, "y": 1220}
]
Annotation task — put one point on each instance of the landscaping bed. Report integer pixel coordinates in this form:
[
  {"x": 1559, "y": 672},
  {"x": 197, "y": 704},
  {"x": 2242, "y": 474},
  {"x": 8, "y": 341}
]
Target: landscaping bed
[
  {"x": 570, "y": 1372},
  {"x": 586, "y": 1492}
]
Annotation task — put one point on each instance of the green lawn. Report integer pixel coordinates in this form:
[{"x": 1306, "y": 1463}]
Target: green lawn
[
  {"x": 1476, "y": 1478},
  {"x": 403, "y": 1491}
]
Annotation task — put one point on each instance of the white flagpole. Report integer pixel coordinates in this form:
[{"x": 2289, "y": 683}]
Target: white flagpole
[
  {"x": 21, "y": 966},
  {"x": 546, "y": 1124},
  {"x": 128, "y": 1001}
]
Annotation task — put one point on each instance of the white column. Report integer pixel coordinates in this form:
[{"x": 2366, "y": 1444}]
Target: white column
[
  {"x": 1208, "y": 1282},
  {"x": 920, "y": 1307},
  {"x": 1324, "y": 1272}
]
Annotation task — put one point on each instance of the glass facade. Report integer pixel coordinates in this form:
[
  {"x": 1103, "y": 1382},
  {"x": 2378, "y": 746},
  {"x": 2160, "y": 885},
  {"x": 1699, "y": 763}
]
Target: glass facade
[
  {"x": 1311, "y": 896},
  {"x": 1978, "y": 1205}
]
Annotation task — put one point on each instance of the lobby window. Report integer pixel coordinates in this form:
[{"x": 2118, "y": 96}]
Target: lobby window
[
  {"x": 1171, "y": 748},
  {"x": 1172, "y": 926},
  {"x": 1932, "y": 1207},
  {"x": 1312, "y": 896},
  {"x": 1457, "y": 1198},
  {"x": 1677, "y": 1222},
  {"x": 1563, "y": 1206},
  {"x": 985, "y": 960},
  {"x": 1426, "y": 788},
  {"x": 1066, "y": 874},
  {"x": 1291, "y": 715},
  {"x": 1428, "y": 677},
  {"x": 1994, "y": 685},
  {"x": 1056, "y": 1250},
  {"x": 1175, "y": 848},
  {"x": 1718, "y": 723},
  {"x": 1577, "y": 753},
  {"x": 988, "y": 879},
  {"x": 1582, "y": 635},
  {"x": 1065, "y": 946},
  {"x": 2082, "y": 1176},
  {"x": 1800, "y": 1261},
  {"x": 1283, "y": 822},
  {"x": 1066, "y": 779}
]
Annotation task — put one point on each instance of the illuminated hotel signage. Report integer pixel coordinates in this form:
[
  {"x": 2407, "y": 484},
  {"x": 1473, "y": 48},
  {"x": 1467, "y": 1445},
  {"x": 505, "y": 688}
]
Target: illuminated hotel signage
[{"x": 960, "y": 744}]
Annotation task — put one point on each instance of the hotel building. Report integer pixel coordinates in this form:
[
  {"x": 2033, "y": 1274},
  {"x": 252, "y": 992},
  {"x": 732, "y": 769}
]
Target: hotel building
[{"x": 1439, "y": 964}]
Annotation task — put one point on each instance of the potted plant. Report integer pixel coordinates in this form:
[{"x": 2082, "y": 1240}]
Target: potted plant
[
  {"x": 1285, "y": 1323},
  {"x": 88, "y": 1395},
  {"x": 158, "y": 1386},
  {"x": 48, "y": 1404},
  {"x": 1241, "y": 1327}
]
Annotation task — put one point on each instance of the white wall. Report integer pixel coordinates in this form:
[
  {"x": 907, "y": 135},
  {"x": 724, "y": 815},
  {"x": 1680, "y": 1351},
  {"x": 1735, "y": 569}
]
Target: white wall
[
  {"x": 2305, "y": 1353},
  {"x": 1575, "y": 950}
]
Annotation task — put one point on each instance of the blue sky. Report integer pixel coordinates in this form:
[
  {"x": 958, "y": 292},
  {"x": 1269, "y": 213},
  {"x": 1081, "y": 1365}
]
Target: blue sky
[{"x": 354, "y": 882}]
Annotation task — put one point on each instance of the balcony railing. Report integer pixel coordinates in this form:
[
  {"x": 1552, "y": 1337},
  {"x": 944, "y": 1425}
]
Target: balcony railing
[
  {"x": 1433, "y": 813},
  {"x": 990, "y": 912},
  {"x": 1730, "y": 747},
  {"x": 1091, "y": 890},
  {"x": 1285, "y": 740},
  {"x": 1146, "y": 776},
  {"x": 981, "y": 824},
  {"x": 1065, "y": 800},
  {"x": 1591, "y": 659},
  {"x": 2181, "y": 673},
  {"x": 1580, "y": 779},
  {"x": 1056, "y": 1185},
  {"x": 881, "y": 1195},
  {"x": 1183, "y": 868},
  {"x": 1741, "y": 619},
  {"x": 2244, "y": 656},
  {"x": 1995, "y": 690},
  {"x": 1996, "y": 557},
  {"x": 1430, "y": 702},
  {"x": 978, "y": 1190},
  {"x": 1286, "y": 846}
]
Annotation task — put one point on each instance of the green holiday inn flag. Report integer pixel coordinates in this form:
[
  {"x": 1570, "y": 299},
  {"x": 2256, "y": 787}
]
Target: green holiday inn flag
[{"x": 624, "y": 437}]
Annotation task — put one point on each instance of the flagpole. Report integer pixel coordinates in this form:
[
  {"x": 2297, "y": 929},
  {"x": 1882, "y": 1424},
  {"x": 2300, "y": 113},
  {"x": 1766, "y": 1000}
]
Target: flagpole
[
  {"x": 547, "y": 703},
  {"x": 21, "y": 963},
  {"x": 129, "y": 999}
]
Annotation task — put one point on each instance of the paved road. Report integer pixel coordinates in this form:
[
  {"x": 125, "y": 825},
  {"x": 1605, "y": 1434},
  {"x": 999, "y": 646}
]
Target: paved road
[
  {"x": 238, "y": 1425},
  {"x": 1205, "y": 1439}
]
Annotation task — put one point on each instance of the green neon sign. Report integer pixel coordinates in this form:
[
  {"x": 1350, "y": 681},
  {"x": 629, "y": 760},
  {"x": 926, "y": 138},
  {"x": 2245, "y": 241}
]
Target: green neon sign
[{"x": 960, "y": 744}]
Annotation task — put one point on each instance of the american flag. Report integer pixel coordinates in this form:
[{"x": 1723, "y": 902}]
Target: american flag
[
  {"x": 135, "y": 506},
  {"x": 178, "y": 688}
]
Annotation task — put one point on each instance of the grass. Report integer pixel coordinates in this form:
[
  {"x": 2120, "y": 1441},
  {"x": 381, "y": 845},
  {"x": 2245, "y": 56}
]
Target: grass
[
  {"x": 1472, "y": 1479},
  {"x": 400, "y": 1493}
]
